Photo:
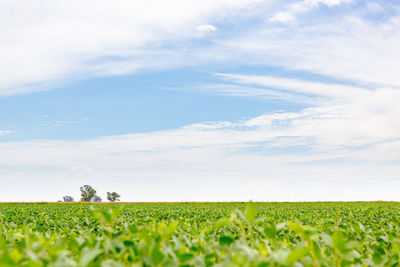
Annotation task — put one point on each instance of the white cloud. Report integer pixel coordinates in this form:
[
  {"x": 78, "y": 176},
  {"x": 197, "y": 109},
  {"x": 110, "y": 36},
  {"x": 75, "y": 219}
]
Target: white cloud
[
  {"x": 351, "y": 49},
  {"x": 333, "y": 91},
  {"x": 2, "y": 132},
  {"x": 206, "y": 28},
  {"x": 47, "y": 41},
  {"x": 63, "y": 123},
  {"x": 327, "y": 2},
  {"x": 43, "y": 43},
  {"x": 300, "y": 7},
  {"x": 283, "y": 17},
  {"x": 238, "y": 90},
  {"x": 347, "y": 115}
]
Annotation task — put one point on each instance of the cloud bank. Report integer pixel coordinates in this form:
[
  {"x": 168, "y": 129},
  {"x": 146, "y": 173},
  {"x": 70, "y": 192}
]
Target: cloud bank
[{"x": 43, "y": 43}]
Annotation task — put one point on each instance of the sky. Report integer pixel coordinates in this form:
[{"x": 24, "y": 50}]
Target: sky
[{"x": 213, "y": 100}]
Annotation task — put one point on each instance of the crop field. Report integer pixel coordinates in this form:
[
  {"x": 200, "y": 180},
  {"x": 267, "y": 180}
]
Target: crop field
[{"x": 200, "y": 234}]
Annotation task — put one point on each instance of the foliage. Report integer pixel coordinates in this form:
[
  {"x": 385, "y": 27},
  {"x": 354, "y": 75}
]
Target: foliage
[
  {"x": 97, "y": 199},
  {"x": 87, "y": 193},
  {"x": 112, "y": 197},
  {"x": 200, "y": 234},
  {"x": 68, "y": 199}
]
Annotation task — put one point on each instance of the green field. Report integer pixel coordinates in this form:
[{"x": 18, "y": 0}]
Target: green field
[{"x": 200, "y": 234}]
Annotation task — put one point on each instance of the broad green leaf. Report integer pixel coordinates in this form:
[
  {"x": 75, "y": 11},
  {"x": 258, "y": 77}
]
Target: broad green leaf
[
  {"x": 250, "y": 212},
  {"x": 296, "y": 255}
]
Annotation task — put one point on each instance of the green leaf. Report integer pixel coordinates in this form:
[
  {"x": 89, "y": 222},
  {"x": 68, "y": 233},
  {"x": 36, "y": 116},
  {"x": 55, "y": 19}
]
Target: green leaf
[
  {"x": 250, "y": 213},
  {"x": 186, "y": 257},
  {"x": 339, "y": 241},
  {"x": 296, "y": 255},
  {"x": 270, "y": 230},
  {"x": 225, "y": 240},
  {"x": 222, "y": 222},
  {"x": 133, "y": 228},
  {"x": 156, "y": 255},
  {"x": 88, "y": 255},
  {"x": 377, "y": 258}
]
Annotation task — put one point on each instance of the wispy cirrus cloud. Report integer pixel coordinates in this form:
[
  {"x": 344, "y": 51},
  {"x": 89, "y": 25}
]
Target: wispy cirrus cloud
[
  {"x": 352, "y": 48},
  {"x": 295, "y": 86},
  {"x": 67, "y": 42},
  {"x": 49, "y": 41},
  {"x": 341, "y": 115},
  {"x": 3, "y": 132},
  {"x": 299, "y": 7}
]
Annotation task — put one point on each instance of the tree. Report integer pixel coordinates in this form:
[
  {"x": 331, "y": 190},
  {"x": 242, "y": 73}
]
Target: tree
[
  {"x": 97, "y": 199},
  {"x": 87, "y": 193},
  {"x": 112, "y": 197},
  {"x": 68, "y": 199}
]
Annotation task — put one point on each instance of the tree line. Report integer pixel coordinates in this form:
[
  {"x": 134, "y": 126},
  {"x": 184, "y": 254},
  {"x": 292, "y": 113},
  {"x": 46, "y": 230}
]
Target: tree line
[{"x": 88, "y": 194}]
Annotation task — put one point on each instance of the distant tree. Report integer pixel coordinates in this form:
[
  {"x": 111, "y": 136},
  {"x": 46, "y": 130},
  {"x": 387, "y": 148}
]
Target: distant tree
[
  {"x": 87, "y": 193},
  {"x": 68, "y": 199},
  {"x": 97, "y": 199},
  {"x": 112, "y": 197}
]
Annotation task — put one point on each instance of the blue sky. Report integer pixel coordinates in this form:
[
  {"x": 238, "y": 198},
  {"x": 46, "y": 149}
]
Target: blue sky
[{"x": 206, "y": 101}]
